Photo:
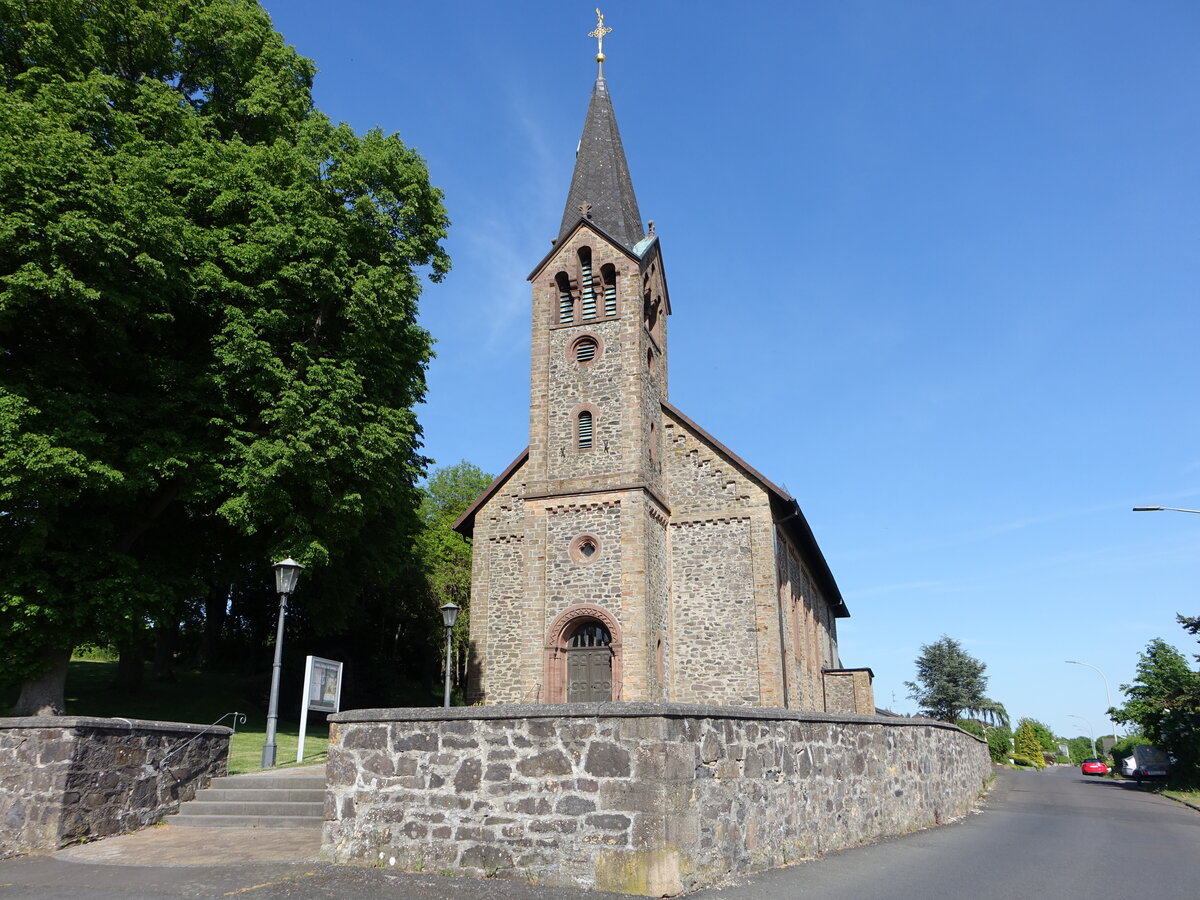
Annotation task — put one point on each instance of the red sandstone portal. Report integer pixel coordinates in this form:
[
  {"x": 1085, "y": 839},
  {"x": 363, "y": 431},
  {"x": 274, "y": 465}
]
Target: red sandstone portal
[{"x": 557, "y": 640}]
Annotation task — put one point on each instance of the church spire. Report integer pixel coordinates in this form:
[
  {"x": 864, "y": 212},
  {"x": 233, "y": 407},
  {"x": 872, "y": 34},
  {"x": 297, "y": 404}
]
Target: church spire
[{"x": 601, "y": 189}]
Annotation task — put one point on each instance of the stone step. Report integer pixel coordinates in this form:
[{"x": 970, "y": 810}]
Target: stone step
[
  {"x": 245, "y": 822},
  {"x": 268, "y": 782},
  {"x": 261, "y": 808},
  {"x": 268, "y": 800},
  {"x": 260, "y": 795}
]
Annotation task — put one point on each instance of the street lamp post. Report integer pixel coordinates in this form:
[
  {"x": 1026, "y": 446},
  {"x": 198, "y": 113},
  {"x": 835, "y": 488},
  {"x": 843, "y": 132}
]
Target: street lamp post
[
  {"x": 1107, "y": 694},
  {"x": 286, "y": 575},
  {"x": 449, "y": 614},
  {"x": 1091, "y": 731},
  {"x": 1161, "y": 508}
]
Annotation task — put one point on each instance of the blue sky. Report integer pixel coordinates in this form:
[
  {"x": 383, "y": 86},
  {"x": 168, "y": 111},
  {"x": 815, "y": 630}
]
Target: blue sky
[{"x": 934, "y": 267}]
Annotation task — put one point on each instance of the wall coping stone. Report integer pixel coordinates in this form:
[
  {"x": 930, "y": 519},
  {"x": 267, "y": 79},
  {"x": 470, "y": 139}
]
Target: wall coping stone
[
  {"x": 116, "y": 722},
  {"x": 626, "y": 710}
]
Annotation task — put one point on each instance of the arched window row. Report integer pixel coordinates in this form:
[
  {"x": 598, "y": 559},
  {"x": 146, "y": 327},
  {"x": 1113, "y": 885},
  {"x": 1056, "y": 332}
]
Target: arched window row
[{"x": 590, "y": 296}]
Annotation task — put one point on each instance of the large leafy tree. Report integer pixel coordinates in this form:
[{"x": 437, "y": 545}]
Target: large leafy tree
[
  {"x": 1162, "y": 703},
  {"x": 950, "y": 682},
  {"x": 208, "y": 343}
]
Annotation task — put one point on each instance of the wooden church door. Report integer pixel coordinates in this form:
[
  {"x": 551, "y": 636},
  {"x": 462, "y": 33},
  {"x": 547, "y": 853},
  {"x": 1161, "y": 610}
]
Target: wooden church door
[{"x": 589, "y": 664}]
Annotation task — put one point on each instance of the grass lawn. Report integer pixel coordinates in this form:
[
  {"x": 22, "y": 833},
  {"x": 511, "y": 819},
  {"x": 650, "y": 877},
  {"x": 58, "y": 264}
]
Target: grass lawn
[
  {"x": 1192, "y": 797},
  {"x": 195, "y": 697}
]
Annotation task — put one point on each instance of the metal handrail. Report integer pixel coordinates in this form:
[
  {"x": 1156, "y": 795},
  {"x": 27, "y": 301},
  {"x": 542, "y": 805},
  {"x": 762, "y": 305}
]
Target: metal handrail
[{"x": 237, "y": 717}]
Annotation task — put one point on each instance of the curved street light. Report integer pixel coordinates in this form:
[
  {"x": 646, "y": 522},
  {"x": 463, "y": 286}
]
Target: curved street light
[
  {"x": 1161, "y": 508},
  {"x": 1107, "y": 694},
  {"x": 1091, "y": 730}
]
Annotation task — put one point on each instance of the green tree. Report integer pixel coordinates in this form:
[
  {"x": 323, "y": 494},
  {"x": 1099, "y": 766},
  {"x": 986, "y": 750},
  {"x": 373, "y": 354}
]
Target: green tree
[
  {"x": 444, "y": 553},
  {"x": 1161, "y": 702},
  {"x": 1027, "y": 744},
  {"x": 1082, "y": 748},
  {"x": 1046, "y": 739},
  {"x": 951, "y": 682},
  {"x": 998, "y": 737},
  {"x": 209, "y": 349}
]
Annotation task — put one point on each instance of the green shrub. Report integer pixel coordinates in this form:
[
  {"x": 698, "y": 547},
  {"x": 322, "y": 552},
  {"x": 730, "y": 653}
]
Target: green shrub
[{"x": 1027, "y": 744}]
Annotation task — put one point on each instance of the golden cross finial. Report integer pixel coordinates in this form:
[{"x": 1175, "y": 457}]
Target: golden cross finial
[{"x": 599, "y": 34}]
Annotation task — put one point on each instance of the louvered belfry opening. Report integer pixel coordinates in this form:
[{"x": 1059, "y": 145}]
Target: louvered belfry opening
[
  {"x": 566, "y": 302},
  {"x": 608, "y": 275},
  {"x": 586, "y": 284},
  {"x": 585, "y": 430}
]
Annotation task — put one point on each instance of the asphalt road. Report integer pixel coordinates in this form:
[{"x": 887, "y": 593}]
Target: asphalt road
[{"x": 1053, "y": 835}]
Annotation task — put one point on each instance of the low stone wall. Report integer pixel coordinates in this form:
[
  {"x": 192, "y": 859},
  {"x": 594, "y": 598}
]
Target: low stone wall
[
  {"x": 644, "y": 798},
  {"x": 69, "y": 778}
]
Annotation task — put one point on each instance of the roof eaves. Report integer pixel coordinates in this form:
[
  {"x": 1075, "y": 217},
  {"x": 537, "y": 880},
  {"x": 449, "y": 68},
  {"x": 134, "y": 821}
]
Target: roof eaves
[
  {"x": 466, "y": 522},
  {"x": 582, "y": 221},
  {"x": 790, "y": 516}
]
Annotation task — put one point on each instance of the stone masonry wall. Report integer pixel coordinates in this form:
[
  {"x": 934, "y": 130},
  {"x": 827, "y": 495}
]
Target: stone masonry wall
[
  {"x": 649, "y": 799},
  {"x": 65, "y": 779},
  {"x": 716, "y": 641}
]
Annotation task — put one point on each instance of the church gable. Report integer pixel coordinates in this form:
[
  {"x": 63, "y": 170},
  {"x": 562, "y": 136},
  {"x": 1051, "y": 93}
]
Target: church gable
[{"x": 704, "y": 478}]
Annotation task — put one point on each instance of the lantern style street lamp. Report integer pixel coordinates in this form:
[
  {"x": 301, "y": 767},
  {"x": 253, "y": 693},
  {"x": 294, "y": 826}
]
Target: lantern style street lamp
[
  {"x": 449, "y": 614},
  {"x": 287, "y": 573}
]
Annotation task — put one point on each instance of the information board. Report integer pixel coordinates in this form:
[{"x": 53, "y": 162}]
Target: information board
[{"x": 322, "y": 692}]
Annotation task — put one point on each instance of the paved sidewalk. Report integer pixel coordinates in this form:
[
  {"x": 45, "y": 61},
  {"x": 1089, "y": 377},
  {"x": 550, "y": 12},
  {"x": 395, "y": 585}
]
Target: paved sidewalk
[
  {"x": 170, "y": 862},
  {"x": 175, "y": 845}
]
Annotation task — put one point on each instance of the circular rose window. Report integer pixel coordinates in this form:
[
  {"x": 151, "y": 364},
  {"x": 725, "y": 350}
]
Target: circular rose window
[{"x": 585, "y": 549}]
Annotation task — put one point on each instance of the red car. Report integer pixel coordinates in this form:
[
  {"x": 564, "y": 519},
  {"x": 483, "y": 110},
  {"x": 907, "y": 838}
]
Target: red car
[{"x": 1093, "y": 767}]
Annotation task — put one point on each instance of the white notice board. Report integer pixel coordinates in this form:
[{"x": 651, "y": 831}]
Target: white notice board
[{"x": 322, "y": 692}]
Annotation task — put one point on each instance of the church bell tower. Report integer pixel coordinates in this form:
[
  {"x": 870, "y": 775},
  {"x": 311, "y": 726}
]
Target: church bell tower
[
  {"x": 598, "y": 382},
  {"x": 628, "y": 554}
]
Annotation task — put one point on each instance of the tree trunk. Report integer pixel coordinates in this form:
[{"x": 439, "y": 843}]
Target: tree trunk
[
  {"x": 129, "y": 667},
  {"x": 215, "y": 605},
  {"x": 166, "y": 635},
  {"x": 45, "y": 694}
]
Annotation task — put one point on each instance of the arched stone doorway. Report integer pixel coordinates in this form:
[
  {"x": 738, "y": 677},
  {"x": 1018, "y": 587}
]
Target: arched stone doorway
[
  {"x": 589, "y": 664},
  {"x": 583, "y": 656}
]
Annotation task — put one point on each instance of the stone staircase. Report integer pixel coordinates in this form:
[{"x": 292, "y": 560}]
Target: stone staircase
[{"x": 291, "y": 798}]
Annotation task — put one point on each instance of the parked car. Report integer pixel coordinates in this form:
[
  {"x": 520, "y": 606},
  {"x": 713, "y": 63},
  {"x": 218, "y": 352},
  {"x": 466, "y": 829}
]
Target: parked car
[
  {"x": 1093, "y": 766},
  {"x": 1147, "y": 761}
]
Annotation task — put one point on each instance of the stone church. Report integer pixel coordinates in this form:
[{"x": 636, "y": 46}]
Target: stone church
[{"x": 627, "y": 554}]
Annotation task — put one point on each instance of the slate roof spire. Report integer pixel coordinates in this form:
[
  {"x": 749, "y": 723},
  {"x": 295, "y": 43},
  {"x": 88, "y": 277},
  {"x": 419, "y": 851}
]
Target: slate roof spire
[{"x": 601, "y": 189}]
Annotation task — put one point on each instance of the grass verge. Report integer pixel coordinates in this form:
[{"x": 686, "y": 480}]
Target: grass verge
[{"x": 195, "y": 697}]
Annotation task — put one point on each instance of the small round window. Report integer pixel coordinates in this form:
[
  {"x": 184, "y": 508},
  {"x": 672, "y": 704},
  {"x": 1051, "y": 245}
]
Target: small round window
[
  {"x": 585, "y": 549},
  {"x": 585, "y": 349}
]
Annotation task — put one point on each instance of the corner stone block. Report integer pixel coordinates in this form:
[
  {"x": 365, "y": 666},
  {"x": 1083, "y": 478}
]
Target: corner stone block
[
  {"x": 665, "y": 762},
  {"x": 364, "y": 737},
  {"x": 650, "y": 873}
]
